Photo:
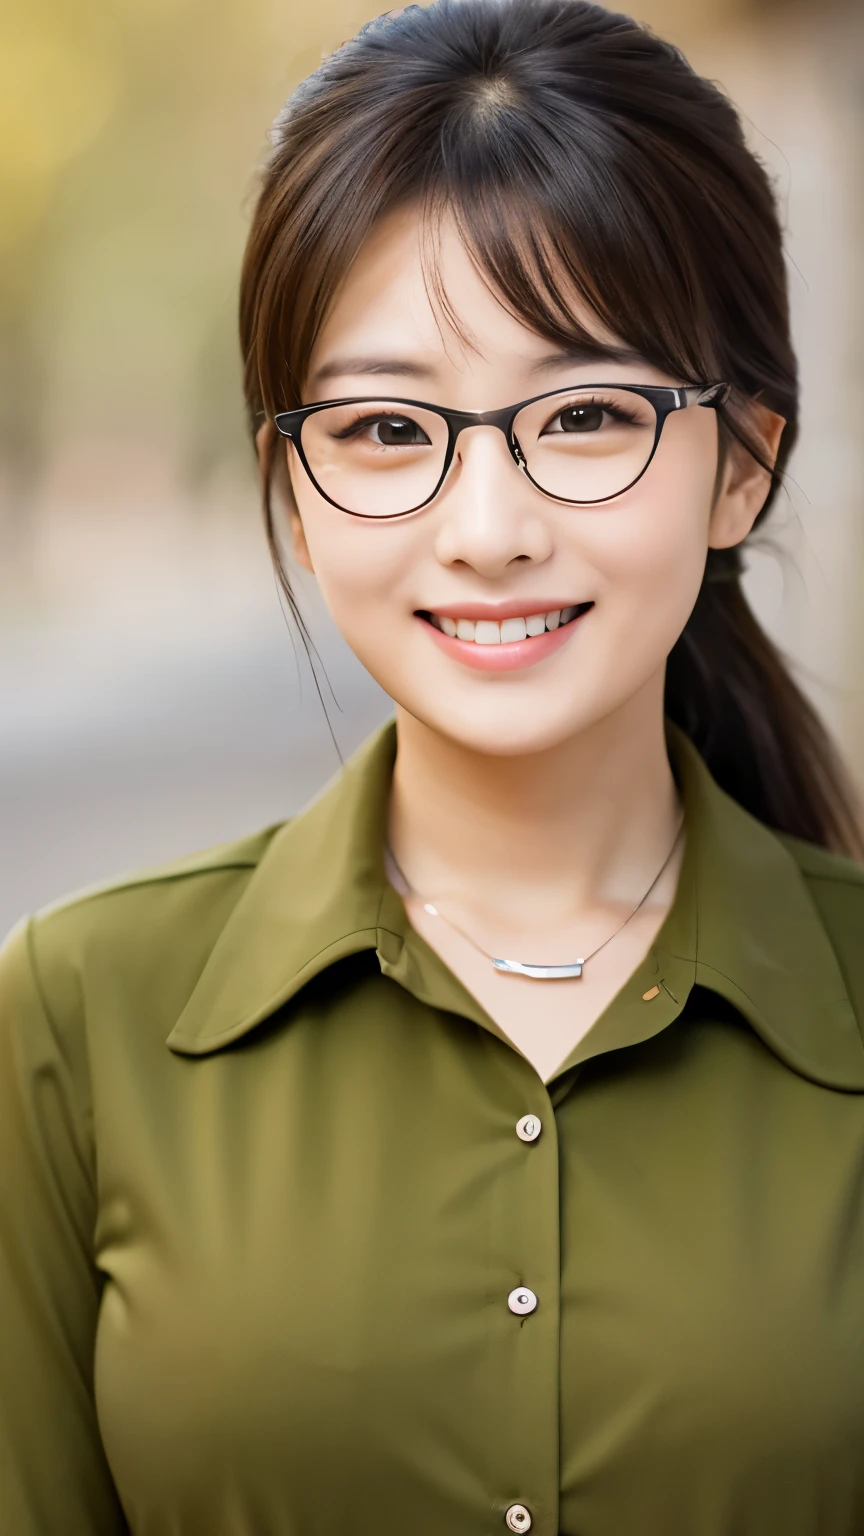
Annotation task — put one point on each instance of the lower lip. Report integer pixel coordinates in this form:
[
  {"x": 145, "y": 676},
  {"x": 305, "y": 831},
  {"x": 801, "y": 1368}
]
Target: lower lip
[{"x": 509, "y": 657}]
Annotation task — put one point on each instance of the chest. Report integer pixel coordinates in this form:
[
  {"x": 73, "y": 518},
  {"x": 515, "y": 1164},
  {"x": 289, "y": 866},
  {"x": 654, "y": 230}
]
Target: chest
[
  {"x": 545, "y": 1019},
  {"x": 310, "y": 1255}
]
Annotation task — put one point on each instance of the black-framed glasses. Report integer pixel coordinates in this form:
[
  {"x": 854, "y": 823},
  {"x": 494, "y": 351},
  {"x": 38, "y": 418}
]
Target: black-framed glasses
[{"x": 375, "y": 456}]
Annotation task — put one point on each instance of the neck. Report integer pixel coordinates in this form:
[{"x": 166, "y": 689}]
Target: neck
[{"x": 590, "y": 818}]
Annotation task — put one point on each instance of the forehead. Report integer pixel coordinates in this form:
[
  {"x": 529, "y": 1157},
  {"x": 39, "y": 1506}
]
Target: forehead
[{"x": 415, "y": 292}]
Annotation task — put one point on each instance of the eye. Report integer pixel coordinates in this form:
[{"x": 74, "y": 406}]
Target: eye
[
  {"x": 398, "y": 431},
  {"x": 579, "y": 418},
  {"x": 387, "y": 431},
  {"x": 584, "y": 416}
]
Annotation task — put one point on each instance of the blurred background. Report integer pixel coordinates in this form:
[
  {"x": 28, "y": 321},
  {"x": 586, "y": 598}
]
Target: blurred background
[{"x": 153, "y": 698}]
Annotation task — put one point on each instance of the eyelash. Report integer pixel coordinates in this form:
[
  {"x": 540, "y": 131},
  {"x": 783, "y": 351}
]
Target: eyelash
[
  {"x": 607, "y": 405},
  {"x": 360, "y": 421},
  {"x": 353, "y": 427}
]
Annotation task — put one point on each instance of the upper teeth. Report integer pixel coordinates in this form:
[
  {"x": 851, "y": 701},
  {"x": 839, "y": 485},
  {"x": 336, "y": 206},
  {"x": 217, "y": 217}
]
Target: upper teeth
[{"x": 489, "y": 632}]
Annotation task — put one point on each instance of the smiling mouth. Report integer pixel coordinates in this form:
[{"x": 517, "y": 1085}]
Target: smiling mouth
[{"x": 505, "y": 631}]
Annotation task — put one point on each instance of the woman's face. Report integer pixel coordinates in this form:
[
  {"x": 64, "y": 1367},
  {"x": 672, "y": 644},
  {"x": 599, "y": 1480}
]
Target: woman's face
[{"x": 491, "y": 547}]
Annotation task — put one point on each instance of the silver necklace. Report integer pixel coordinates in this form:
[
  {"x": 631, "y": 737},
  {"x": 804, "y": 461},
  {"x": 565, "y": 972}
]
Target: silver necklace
[{"x": 520, "y": 967}]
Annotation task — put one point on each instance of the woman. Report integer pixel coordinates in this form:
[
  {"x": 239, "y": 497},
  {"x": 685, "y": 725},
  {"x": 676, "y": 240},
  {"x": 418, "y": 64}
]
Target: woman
[{"x": 482, "y": 1150}]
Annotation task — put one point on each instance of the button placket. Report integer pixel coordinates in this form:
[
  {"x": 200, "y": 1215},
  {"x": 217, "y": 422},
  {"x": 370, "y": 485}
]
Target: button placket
[{"x": 525, "y": 1219}]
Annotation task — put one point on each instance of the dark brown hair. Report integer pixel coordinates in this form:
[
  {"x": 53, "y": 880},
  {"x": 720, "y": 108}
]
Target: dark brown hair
[{"x": 580, "y": 154}]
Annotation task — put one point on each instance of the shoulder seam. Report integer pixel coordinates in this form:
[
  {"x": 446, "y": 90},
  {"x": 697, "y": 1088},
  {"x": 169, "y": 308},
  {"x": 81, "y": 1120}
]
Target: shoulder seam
[
  {"x": 135, "y": 882},
  {"x": 242, "y": 853},
  {"x": 88, "y": 1153},
  {"x": 37, "y": 979},
  {"x": 855, "y": 882},
  {"x": 815, "y": 863}
]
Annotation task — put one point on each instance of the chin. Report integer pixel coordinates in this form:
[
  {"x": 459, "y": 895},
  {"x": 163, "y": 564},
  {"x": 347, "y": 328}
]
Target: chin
[{"x": 504, "y": 732}]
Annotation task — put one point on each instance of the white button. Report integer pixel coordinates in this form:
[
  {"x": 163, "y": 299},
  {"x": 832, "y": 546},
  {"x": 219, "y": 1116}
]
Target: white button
[
  {"x": 517, "y": 1518},
  {"x": 521, "y": 1301},
  {"x": 528, "y": 1128}
]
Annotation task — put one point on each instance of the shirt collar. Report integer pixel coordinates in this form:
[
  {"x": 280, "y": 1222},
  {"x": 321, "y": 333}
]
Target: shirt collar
[
  {"x": 313, "y": 899},
  {"x": 743, "y": 924},
  {"x": 758, "y": 939}
]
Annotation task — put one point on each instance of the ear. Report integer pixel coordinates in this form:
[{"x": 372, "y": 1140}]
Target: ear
[
  {"x": 299, "y": 547},
  {"x": 745, "y": 483},
  {"x": 268, "y": 443}
]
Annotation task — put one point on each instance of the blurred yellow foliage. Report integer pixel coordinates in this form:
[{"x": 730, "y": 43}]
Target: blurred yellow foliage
[
  {"x": 55, "y": 96},
  {"x": 130, "y": 131}
]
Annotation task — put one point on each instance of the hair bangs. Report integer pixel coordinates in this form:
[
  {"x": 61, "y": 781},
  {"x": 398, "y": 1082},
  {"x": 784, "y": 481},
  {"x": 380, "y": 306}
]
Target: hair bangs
[{"x": 560, "y": 223}]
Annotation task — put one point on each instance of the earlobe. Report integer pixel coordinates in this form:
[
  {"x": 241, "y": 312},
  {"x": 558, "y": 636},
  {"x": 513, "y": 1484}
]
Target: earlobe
[
  {"x": 738, "y": 505},
  {"x": 263, "y": 438},
  {"x": 299, "y": 547},
  {"x": 266, "y": 443},
  {"x": 745, "y": 484}
]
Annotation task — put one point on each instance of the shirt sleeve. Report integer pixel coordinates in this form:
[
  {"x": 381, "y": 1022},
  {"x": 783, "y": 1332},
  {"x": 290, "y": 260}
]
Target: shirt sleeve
[{"x": 53, "y": 1473}]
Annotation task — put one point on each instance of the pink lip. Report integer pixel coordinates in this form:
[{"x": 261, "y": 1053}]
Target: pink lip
[{"x": 503, "y": 658}]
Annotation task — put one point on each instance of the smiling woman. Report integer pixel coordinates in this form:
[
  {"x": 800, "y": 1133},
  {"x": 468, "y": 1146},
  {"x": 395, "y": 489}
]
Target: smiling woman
[
  {"x": 481, "y": 1150},
  {"x": 603, "y": 218}
]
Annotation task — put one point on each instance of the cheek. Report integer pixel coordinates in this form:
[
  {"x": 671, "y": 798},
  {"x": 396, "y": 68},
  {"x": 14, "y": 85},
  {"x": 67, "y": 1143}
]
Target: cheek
[
  {"x": 651, "y": 560},
  {"x": 361, "y": 569}
]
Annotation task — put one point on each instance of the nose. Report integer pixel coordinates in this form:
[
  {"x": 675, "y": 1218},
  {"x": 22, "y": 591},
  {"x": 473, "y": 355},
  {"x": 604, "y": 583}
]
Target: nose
[{"x": 489, "y": 515}]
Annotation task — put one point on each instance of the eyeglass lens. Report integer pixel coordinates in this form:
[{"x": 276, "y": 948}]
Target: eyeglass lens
[{"x": 379, "y": 458}]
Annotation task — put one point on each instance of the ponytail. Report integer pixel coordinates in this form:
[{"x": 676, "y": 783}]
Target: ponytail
[{"x": 729, "y": 690}]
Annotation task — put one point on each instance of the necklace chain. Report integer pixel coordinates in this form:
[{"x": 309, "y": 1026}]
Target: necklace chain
[{"x": 523, "y": 968}]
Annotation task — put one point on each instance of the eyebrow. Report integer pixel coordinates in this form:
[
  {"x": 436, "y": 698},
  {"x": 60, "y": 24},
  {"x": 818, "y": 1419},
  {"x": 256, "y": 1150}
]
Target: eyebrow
[
  {"x": 590, "y": 352},
  {"x": 403, "y": 367},
  {"x": 400, "y": 366}
]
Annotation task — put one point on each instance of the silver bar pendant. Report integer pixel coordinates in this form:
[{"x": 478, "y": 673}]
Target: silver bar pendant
[{"x": 540, "y": 972}]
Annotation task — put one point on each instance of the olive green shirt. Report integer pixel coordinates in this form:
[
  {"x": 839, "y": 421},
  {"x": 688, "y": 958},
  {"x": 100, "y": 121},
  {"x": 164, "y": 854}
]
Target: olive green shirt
[{"x": 266, "y": 1213}]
